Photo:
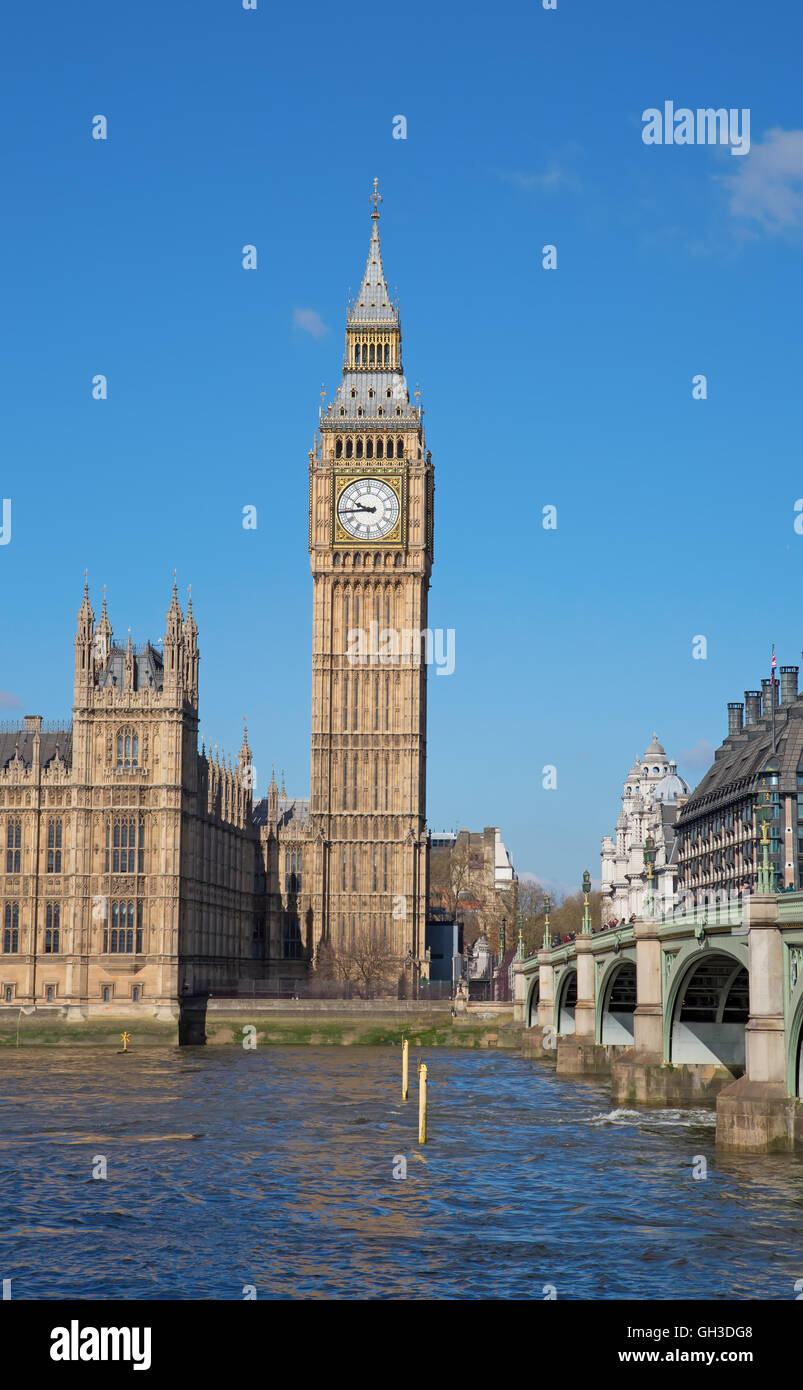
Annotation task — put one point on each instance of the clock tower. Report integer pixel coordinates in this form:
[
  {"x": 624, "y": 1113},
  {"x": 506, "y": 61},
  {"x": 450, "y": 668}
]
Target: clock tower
[{"x": 370, "y": 538}]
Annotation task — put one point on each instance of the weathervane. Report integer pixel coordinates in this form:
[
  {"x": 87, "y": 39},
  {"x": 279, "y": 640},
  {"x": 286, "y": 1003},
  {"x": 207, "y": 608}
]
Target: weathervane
[{"x": 375, "y": 198}]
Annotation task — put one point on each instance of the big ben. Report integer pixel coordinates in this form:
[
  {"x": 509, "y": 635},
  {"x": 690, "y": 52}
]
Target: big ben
[{"x": 371, "y": 494}]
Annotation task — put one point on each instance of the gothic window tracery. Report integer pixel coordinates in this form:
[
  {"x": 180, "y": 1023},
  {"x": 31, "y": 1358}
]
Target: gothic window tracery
[
  {"x": 54, "y": 846},
  {"x": 11, "y": 923},
  {"x": 127, "y": 750},
  {"x": 14, "y": 845},
  {"x": 52, "y": 929}
]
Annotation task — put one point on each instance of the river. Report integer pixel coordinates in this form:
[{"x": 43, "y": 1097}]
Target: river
[{"x": 273, "y": 1170}]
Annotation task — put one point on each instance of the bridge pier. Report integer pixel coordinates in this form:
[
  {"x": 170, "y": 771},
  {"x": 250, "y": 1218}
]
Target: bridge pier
[
  {"x": 756, "y": 1114},
  {"x": 578, "y": 1053},
  {"x": 539, "y": 1041},
  {"x": 640, "y": 1075}
]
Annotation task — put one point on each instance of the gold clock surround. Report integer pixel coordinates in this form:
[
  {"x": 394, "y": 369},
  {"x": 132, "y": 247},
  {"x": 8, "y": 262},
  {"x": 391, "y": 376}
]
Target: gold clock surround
[{"x": 343, "y": 478}]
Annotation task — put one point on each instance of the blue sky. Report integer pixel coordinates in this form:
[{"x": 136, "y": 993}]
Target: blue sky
[{"x": 570, "y": 387}]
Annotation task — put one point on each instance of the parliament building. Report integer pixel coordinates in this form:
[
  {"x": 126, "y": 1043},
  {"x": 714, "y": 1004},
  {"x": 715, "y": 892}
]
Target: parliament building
[{"x": 136, "y": 867}]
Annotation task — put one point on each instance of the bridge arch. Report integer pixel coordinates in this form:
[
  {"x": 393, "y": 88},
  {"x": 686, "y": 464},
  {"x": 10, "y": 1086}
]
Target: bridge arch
[
  {"x": 566, "y": 1001},
  {"x": 616, "y": 1002},
  {"x": 794, "y": 1048},
  {"x": 706, "y": 1007},
  {"x": 531, "y": 1006}
]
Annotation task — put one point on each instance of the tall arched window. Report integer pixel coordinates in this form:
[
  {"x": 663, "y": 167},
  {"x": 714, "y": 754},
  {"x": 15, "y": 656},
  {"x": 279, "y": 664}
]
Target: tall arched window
[
  {"x": 54, "y": 846},
  {"x": 369, "y": 448},
  {"x": 357, "y": 355},
  {"x": 338, "y": 448},
  {"x": 371, "y": 355},
  {"x": 349, "y": 448},
  {"x": 11, "y": 932},
  {"x": 359, "y": 448},
  {"x": 380, "y": 448},
  {"x": 52, "y": 925},
  {"x": 125, "y": 936},
  {"x": 14, "y": 845},
  {"x": 127, "y": 750},
  {"x": 125, "y": 844},
  {"x": 390, "y": 448},
  {"x": 387, "y": 354}
]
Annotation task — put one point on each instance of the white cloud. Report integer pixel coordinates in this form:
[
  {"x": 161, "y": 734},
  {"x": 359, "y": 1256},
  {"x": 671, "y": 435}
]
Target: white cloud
[
  {"x": 768, "y": 185},
  {"x": 701, "y": 754},
  {"x": 309, "y": 321},
  {"x": 549, "y": 182}
]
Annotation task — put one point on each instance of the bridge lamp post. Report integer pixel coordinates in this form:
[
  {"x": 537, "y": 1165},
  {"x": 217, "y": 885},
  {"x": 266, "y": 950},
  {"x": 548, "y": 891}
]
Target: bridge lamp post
[
  {"x": 765, "y": 875},
  {"x": 586, "y": 914},
  {"x": 520, "y": 946},
  {"x": 547, "y": 929}
]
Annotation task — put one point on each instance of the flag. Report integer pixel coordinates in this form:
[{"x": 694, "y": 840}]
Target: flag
[{"x": 772, "y": 668}]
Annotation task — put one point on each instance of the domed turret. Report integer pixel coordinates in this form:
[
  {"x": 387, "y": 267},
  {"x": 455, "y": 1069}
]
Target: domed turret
[{"x": 671, "y": 787}]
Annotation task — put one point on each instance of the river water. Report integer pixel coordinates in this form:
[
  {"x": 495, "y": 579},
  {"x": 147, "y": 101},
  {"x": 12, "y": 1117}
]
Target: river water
[{"x": 274, "y": 1168}]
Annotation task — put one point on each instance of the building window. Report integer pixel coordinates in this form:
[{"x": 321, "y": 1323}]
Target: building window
[
  {"x": 292, "y": 948},
  {"x": 54, "y": 847},
  {"x": 51, "y": 993},
  {"x": 135, "y": 993},
  {"x": 14, "y": 845},
  {"x": 292, "y": 875},
  {"x": 127, "y": 750},
  {"x": 9, "y": 993},
  {"x": 107, "y": 994},
  {"x": 11, "y": 932},
  {"x": 52, "y": 926},
  {"x": 125, "y": 935},
  {"x": 125, "y": 845}
]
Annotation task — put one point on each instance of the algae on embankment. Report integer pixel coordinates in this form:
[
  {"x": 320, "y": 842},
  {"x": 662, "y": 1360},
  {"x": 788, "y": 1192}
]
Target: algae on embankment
[{"x": 270, "y": 1031}]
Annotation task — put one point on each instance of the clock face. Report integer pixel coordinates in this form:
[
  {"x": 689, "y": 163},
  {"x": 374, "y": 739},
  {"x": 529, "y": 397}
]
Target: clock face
[{"x": 368, "y": 509}]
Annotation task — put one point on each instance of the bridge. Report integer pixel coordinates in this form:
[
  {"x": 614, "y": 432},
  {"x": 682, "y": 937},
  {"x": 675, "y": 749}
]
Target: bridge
[{"x": 682, "y": 1006}]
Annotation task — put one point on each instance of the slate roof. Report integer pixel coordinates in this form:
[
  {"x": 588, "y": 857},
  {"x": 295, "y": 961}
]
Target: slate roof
[
  {"x": 11, "y": 739},
  {"x": 362, "y": 383},
  {"x": 148, "y": 668},
  {"x": 373, "y": 304},
  {"x": 741, "y": 760},
  {"x": 293, "y": 812}
]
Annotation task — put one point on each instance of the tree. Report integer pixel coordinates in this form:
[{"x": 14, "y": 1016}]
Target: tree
[
  {"x": 448, "y": 875},
  {"x": 367, "y": 963}
]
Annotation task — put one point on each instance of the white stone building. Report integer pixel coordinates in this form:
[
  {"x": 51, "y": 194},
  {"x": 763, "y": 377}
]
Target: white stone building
[{"x": 652, "y": 796}]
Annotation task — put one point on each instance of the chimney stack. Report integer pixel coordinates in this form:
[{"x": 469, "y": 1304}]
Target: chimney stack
[
  {"x": 769, "y": 693},
  {"x": 752, "y": 707},
  {"x": 788, "y": 684},
  {"x": 735, "y": 712}
]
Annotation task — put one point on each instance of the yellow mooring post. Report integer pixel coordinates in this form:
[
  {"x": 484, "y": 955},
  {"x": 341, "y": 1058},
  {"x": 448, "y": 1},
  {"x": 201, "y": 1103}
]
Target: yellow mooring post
[
  {"x": 405, "y": 1050},
  {"x": 422, "y": 1103}
]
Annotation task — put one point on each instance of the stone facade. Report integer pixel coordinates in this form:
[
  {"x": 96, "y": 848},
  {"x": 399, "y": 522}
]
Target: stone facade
[
  {"x": 371, "y": 491},
  {"x": 757, "y": 775},
  {"x": 129, "y": 857},
  {"x": 652, "y": 796},
  {"x": 136, "y": 869}
]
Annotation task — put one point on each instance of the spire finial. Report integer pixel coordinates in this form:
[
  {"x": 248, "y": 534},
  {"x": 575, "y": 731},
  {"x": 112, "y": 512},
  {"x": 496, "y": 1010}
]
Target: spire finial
[{"x": 376, "y": 198}]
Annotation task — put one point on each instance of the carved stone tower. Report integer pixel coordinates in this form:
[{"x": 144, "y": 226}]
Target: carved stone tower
[{"x": 370, "y": 539}]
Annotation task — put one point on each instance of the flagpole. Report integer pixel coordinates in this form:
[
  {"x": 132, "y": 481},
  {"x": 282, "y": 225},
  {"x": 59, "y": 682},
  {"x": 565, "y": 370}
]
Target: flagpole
[{"x": 772, "y": 696}]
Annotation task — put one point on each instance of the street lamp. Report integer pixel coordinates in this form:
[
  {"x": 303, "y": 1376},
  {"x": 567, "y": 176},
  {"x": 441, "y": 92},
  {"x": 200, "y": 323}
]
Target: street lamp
[
  {"x": 586, "y": 914},
  {"x": 547, "y": 931}
]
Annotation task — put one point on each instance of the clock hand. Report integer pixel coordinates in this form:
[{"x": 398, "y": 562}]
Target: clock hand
[{"x": 360, "y": 507}]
